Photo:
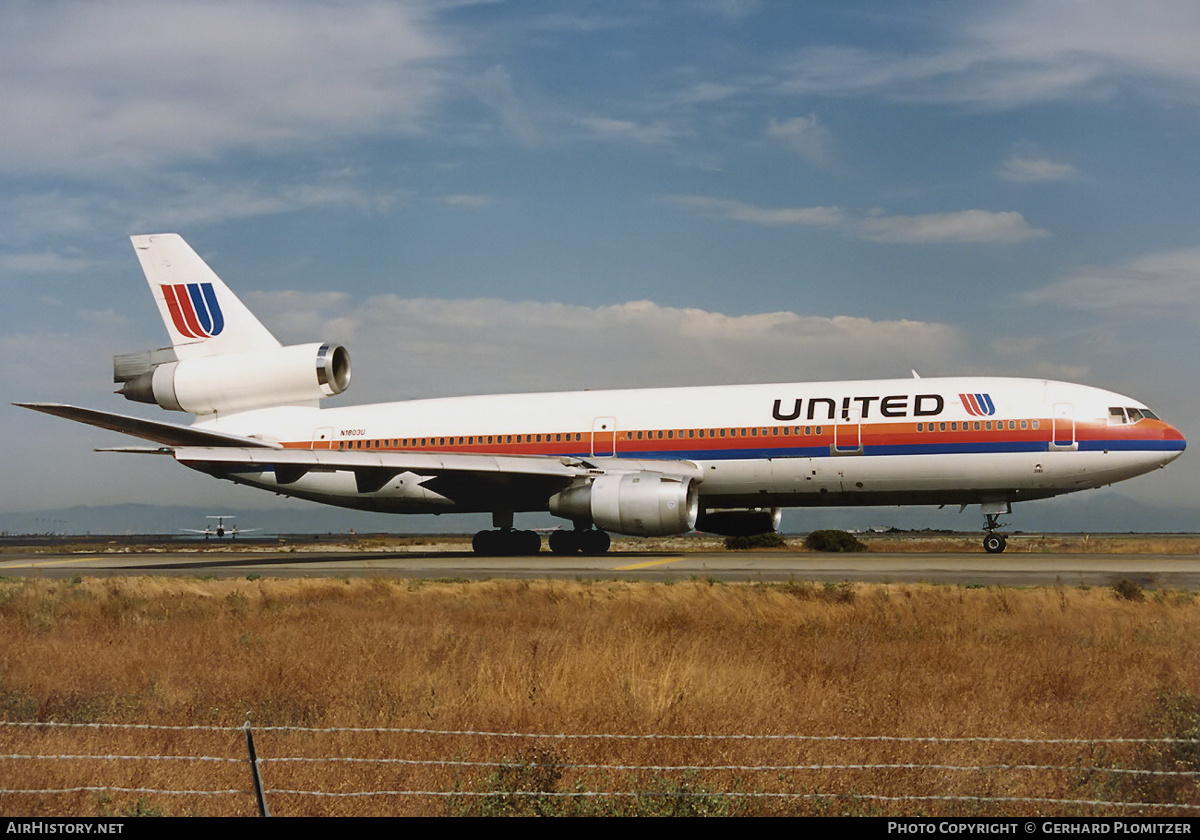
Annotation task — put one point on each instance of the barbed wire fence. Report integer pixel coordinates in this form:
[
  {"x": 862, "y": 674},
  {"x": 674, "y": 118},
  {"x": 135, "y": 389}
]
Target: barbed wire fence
[{"x": 129, "y": 769}]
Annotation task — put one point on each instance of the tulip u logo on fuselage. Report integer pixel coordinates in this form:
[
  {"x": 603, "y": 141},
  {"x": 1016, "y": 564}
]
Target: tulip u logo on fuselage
[{"x": 978, "y": 405}]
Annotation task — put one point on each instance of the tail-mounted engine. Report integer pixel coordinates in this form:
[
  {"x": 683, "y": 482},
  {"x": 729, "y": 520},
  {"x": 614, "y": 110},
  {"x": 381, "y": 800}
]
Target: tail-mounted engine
[
  {"x": 642, "y": 504},
  {"x": 299, "y": 374}
]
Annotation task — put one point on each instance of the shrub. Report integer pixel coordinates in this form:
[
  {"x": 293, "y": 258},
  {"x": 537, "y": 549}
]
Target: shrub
[
  {"x": 831, "y": 540},
  {"x": 1128, "y": 590},
  {"x": 767, "y": 540}
]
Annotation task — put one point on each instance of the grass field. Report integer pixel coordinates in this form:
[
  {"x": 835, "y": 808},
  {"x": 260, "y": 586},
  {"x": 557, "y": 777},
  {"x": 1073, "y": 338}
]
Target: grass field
[{"x": 575, "y": 657}]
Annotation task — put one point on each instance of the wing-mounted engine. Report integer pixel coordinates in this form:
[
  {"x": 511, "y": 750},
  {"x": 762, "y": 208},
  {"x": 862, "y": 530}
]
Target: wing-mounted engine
[
  {"x": 643, "y": 504},
  {"x": 295, "y": 375}
]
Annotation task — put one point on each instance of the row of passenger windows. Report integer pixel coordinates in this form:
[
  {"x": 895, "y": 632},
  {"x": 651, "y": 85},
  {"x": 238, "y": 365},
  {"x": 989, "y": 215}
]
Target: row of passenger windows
[
  {"x": 770, "y": 431},
  {"x": 978, "y": 425},
  {"x": 470, "y": 440},
  {"x": 662, "y": 434}
]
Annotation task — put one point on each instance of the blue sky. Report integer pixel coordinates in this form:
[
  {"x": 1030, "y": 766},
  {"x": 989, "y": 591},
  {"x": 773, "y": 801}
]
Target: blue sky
[{"x": 505, "y": 196}]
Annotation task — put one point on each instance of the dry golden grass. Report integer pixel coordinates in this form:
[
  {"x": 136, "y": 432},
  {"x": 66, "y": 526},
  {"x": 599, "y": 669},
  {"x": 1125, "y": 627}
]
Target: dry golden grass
[
  {"x": 575, "y": 657},
  {"x": 1040, "y": 543}
]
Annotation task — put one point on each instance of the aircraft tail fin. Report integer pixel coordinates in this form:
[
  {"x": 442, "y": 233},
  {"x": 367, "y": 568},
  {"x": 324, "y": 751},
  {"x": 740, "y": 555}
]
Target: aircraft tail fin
[{"x": 202, "y": 315}]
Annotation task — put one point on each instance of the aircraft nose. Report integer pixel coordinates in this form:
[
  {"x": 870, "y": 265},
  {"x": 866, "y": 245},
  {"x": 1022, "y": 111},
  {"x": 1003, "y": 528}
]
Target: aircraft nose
[{"x": 1175, "y": 441}]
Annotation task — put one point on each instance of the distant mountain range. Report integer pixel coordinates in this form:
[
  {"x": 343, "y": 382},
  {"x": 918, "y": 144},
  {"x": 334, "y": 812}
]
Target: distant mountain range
[{"x": 1100, "y": 511}]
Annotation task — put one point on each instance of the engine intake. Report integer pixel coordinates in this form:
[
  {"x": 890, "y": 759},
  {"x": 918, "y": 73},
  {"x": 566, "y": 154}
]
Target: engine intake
[
  {"x": 642, "y": 504},
  {"x": 301, "y": 373}
]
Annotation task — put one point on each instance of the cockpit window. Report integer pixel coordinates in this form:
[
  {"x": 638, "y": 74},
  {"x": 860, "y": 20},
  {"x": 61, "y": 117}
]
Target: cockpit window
[{"x": 1118, "y": 416}]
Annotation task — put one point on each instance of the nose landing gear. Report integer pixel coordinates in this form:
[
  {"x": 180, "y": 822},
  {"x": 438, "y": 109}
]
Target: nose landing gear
[{"x": 994, "y": 543}]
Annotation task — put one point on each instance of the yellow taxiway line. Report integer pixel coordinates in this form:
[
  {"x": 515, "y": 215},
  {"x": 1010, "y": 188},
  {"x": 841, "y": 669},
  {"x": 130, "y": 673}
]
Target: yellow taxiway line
[{"x": 647, "y": 565}]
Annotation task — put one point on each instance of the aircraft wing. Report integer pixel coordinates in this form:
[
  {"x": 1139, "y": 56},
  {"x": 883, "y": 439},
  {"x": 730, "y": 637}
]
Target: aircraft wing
[
  {"x": 167, "y": 434},
  {"x": 471, "y": 481}
]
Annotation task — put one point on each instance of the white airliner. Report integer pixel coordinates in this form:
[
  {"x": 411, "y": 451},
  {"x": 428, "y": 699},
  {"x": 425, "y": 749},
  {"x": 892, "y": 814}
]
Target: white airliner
[
  {"x": 220, "y": 529},
  {"x": 724, "y": 459}
]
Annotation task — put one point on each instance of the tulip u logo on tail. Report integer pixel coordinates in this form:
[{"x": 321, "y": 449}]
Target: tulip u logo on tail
[{"x": 194, "y": 309}]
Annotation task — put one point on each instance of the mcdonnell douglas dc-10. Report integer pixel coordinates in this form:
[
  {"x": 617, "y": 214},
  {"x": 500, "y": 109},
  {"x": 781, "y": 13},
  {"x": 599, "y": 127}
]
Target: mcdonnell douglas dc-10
[{"x": 650, "y": 462}]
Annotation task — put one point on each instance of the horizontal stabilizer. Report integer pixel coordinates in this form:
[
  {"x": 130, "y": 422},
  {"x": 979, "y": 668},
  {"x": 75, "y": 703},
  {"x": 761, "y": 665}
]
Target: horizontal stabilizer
[{"x": 167, "y": 434}]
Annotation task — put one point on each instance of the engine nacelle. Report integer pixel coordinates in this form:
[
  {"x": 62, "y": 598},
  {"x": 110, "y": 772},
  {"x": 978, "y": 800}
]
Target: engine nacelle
[
  {"x": 739, "y": 522},
  {"x": 302, "y": 373},
  {"x": 642, "y": 504}
]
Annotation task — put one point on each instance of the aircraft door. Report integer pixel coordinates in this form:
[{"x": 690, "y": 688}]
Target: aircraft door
[
  {"x": 1062, "y": 435},
  {"x": 847, "y": 434},
  {"x": 604, "y": 437}
]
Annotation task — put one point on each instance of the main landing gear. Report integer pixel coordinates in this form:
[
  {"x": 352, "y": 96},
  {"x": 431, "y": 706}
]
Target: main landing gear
[
  {"x": 994, "y": 543},
  {"x": 583, "y": 540},
  {"x": 504, "y": 540}
]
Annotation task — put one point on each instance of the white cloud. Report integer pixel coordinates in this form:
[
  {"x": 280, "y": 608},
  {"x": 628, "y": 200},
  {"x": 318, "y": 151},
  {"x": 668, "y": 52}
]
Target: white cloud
[
  {"x": 196, "y": 200},
  {"x": 975, "y": 226},
  {"x": 742, "y": 212},
  {"x": 1027, "y": 169},
  {"x": 806, "y": 137},
  {"x": 45, "y": 262},
  {"x": 1006, "y": 55},
  {"x": 425, "y": 347},
  {"x": 97, "y": 87},
  {"x": 471, "y": 202},
  {"x": 606, "y": 128},
  {"x": 963, "y": 226},
  {"x": 496, "y": 90},
  {"x": 1158, "y": 285}
]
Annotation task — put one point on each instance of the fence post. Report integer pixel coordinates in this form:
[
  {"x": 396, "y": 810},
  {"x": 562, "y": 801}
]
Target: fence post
[{"x": 254, "y": 775}]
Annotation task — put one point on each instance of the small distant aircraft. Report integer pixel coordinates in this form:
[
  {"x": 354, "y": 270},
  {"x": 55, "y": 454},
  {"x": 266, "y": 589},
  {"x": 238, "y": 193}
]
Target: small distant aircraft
[
  {"x": 651, "y": 462},
  {"x": 220, "y": 529}
]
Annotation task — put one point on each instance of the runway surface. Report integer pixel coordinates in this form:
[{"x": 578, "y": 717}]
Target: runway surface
[{"x": 1009, "y": 569}]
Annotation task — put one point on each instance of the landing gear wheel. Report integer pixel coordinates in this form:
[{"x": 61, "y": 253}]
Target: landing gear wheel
[
  {"x": 994, "y": 543},
  {"x": 531, "y": 542},
  {"x": 564, "y": 542},
  {"x": 594, "y": 541},
  {"x": 506, "y": 542}
]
